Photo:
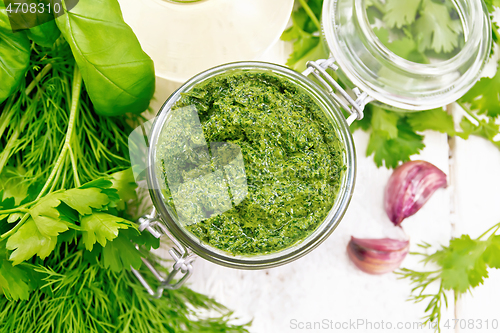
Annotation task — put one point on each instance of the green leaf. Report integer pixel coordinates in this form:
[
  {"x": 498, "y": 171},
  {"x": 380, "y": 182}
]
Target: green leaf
[
  {"x": 492, "y": 252},
  {"x": 47, "y": 217},
  {"x": 307, "y": 46},
  {"x": 121, "y": 254},
  {"x": 485, "y": 96},
  {"x": 44, "y": 34},
  {"x": 125, "y": 184},
  {"x": 487, "y": 129},
  {"x": 14, "y": 56},
  {"x": 83, "y": 200},
  {"x": 399, "y": 13},
  {"x": 101, "y": 227},
  {"x": 435, "y": 30},
  {"x": 436, "y": 120},
  {"x": 385, "y": 122},
  {"x": 29, "y": 241},
  {"x": 101, "y": 183},
  {"x": 491, "y": 4},
  {"x": 392, "y": 139},
  {"x": 12, "y": 185},
  {"x": 13, "y": 281},
  {"x": 118, "y": 74},
  {"x": 463, "y": 264}
]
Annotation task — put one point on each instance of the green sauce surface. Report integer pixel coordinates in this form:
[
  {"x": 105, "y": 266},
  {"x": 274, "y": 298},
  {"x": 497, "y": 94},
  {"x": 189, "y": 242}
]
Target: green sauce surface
[{"x": 292, "y": 157}]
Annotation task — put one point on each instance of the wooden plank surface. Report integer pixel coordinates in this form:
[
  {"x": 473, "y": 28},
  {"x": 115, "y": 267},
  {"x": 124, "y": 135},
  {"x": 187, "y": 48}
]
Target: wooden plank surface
[{"x": 324, "y": 287}]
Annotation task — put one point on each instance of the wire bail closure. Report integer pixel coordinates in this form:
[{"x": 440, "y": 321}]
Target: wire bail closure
[
  {"x": 182, "y": 257},
  {"x": 354, "y": 107}
]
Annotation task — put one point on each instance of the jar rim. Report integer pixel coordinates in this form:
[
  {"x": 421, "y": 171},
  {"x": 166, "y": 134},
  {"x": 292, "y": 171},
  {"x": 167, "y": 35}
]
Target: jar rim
[
  {"x": 473, "y": 55},
  {"x": 301, "y": 248}
]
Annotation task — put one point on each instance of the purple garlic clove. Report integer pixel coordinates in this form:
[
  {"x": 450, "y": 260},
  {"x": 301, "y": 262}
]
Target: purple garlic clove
[
  {"x": 377, "y": 256},
  {"x": 409, "y": 188}
]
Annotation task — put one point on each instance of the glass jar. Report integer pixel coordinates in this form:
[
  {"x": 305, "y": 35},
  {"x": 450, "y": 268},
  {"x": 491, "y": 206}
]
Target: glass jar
[
  {"x": 372, "y": 71},
  {"x": 367, "y": 63}
]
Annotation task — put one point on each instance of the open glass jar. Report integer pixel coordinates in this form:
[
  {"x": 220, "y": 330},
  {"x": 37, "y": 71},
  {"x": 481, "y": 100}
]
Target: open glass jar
[{"x": 203, "y": 185}]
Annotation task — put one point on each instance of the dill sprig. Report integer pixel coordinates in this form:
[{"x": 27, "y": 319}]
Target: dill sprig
[{"x": 79, "y": 296}]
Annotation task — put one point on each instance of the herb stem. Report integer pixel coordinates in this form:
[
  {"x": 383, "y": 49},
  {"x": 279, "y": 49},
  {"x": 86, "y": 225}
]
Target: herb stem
[
  {"x": 497, "y": 226},
  {"x": 310, "y": 14},
  {"x": 6, "y": 153},
  {"x": 7, "y": 114},
  {"x": 16, "y": 228},
  {"x": 73, "y": 164},
  {"x": 77, "y": 88},
  {"x": 37, "y": 79},
  {"x": 379, "y": 6},
  {"x": 468, "y": 111},
  {"x": 15, "y": 210}
]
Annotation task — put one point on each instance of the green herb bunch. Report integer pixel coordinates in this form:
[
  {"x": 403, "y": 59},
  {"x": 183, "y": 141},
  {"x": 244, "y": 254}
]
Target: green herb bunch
[
  {"x": 395, "y": 136},
  {"x": 460, "y": 267}
]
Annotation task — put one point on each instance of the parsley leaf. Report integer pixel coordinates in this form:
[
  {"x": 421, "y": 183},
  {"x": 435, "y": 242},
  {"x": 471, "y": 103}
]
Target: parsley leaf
[
  {"x": 83, "y": 200},
  {"x": 13, "y": 281},
  {"x": 29, "y": 241},
  {"x": 101, "y": 227},
  {"x": 121, "y": 254}
]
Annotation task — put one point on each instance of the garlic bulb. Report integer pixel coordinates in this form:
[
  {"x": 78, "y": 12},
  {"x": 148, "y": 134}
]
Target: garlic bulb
[
  {"x": 377, "y": 256},
  {"x": 409, "y": 188}
]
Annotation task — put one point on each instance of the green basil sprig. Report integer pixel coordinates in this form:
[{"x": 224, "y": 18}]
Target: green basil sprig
[
  {"x": 118, "y": 74},
  {"x": 45, "y": 34}
]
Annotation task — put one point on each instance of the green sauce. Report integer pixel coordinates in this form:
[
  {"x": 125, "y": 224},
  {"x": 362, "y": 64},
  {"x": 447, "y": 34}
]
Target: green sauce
[{"x": 292, "y": 157}]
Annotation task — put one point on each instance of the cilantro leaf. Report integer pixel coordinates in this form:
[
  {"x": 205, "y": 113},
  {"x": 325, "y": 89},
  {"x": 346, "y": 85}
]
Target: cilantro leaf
[
  {"x": 436, "y": 120},
  {"x": 385, "y": 122},
  {"x": 487, "y": 129},
  {"x": 492, "y": 253},
  {"x": 101, "y": 227},
  {"x": 121, "y": 254},
  {"x": 490, "y": 4},
  {"x": 399, "y": 13},
  {"x": 435, "y": 29},
  {"x": 485, "y": 96},
  {"x": 29, "y": 241},
  {"x": 307, "y": 45},
  {"x": 392, "y": 139},
  {"x": 463, "y": 264}
]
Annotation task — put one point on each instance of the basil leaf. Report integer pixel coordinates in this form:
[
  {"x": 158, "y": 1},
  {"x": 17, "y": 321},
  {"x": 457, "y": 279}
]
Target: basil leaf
[
  {"x": 14, "y": 56},
  {"x": 118, "y": 74},
  {"x": 45, "y": 34}
]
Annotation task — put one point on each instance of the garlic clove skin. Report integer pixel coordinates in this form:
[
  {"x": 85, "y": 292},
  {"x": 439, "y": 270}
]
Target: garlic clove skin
[
  {"x": 409, "y": 188},
  {"x": 377, "y": 256}
]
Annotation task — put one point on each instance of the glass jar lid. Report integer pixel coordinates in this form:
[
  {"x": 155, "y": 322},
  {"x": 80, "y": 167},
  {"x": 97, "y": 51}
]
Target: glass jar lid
[
  {"x": 413, "y": 55},
  {"x": 252, "y": 165}
]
